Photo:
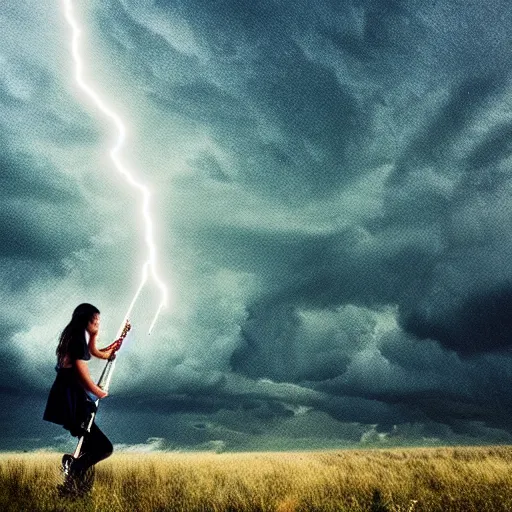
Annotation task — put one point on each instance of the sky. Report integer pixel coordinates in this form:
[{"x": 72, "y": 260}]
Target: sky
[{"x": 331, "y": 192}]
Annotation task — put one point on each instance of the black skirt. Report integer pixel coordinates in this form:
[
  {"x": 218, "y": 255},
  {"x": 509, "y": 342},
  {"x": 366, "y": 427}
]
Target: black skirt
[{"x": 68, "y": 404}]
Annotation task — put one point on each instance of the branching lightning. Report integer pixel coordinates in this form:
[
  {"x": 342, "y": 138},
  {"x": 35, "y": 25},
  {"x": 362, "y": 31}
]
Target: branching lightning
[{"x": 149, "y": 267}]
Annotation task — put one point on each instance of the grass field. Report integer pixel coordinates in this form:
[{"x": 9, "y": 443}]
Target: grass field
[{"x": 401, "y": 480}]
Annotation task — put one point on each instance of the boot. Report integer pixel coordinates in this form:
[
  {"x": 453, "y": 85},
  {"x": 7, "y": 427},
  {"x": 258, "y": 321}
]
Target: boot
[{"x": 78, "y": 481}]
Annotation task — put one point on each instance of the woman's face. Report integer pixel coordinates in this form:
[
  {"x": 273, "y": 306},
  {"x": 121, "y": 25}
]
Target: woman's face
[{"x": 94, "y": 325}]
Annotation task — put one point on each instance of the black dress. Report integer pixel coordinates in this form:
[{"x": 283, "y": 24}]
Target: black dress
[{"x": 68, "y": 404}]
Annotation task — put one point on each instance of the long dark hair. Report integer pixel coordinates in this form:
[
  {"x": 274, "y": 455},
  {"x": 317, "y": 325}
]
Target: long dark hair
[{"x": 82, "y": 315}]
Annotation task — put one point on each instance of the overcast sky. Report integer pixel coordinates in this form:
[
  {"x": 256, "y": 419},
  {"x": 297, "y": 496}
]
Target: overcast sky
[{"x": 331, "y": 193}]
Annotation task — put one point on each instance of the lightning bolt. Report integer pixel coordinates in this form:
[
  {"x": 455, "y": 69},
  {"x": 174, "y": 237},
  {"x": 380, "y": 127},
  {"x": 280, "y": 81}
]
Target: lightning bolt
[{"x": 149, "y": 267}]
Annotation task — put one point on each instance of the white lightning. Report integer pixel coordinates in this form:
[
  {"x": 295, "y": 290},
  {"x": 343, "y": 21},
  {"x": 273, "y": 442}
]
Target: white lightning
[{"x": 150, "y": 265}]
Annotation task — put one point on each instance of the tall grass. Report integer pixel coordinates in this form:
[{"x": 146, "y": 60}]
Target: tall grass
[{"x": 393, "y": 480}]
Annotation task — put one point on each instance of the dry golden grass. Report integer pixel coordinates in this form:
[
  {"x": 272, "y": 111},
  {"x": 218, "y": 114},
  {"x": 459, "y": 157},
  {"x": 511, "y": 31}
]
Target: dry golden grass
[{"x": 399, "y": 480}]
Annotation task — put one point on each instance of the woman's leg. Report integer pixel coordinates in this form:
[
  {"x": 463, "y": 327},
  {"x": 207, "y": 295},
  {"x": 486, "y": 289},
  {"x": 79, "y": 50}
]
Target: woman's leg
[{"x": 96, "y": 447}]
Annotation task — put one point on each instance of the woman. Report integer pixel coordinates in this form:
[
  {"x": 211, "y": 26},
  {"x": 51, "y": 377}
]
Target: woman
[{"x": 71, "y": 399}]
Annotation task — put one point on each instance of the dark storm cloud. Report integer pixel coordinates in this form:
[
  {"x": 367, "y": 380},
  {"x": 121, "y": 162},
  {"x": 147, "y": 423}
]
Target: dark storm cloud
[
  {"x": 478, "y": 324},
  {"x": 42, "y": 208},
  {"x": 34, "y": 103},
  {"x": 402, "y": 257},
  {"x": 283, "y": 344},
  {"x": 25, "y": 177},
  {"x": 410, "y": 241},
  {"x": 384, "y": 320},
  {"x": 261, "y": 97},
  {"x": 407, "y": 78},
  {"x": 261, "y": 403},
  {"x": 12, "y": 367},
  {"x": 36, "y": 209},
  {"x": 470, "y": 317},
  {"x": 430, "y": 383},
  {"x": 312, "y": 270}
]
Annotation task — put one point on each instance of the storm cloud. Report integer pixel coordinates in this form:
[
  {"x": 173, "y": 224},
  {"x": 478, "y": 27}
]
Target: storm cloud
[{"x": 330, "y": 186}]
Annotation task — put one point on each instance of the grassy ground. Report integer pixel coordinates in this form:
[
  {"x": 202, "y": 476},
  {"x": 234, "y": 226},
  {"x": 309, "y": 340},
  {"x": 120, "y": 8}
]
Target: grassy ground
[{"x": 398, "y": 480}]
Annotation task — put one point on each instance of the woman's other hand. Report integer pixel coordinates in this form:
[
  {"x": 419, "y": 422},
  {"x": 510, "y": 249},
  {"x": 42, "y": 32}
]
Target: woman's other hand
[
  {"x": 101, "y": 394},
  {"x": 110, "y": 354},
  {"x": 94, "y": 325}
]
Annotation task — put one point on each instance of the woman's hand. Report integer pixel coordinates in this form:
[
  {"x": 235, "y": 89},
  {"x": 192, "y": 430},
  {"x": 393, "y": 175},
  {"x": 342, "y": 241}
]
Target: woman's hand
[
  {"x": 109, "y": 354},
  {"x": 101, "y": 394},
  {"x": 93, "y": 326}
]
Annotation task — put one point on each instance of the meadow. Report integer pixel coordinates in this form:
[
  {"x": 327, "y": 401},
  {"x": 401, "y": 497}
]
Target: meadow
[{"x": 394, "y": 480}]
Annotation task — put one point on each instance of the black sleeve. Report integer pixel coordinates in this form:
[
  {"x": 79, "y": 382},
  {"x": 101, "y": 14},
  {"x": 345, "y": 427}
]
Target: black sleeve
[{"x": 78, "y": 349}]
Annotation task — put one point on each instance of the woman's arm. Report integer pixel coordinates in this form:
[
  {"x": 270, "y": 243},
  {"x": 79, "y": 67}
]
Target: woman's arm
[
  {"x": 100, "y": 353},
  {"x": 84, "y": 377}
]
